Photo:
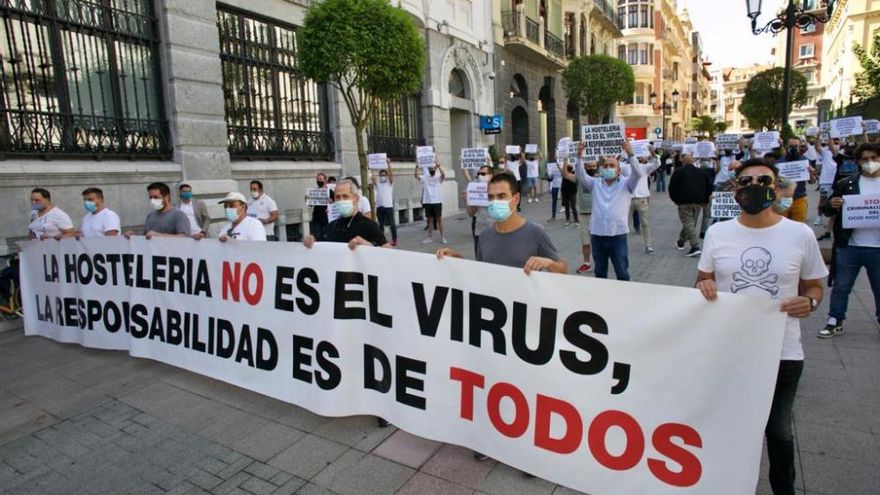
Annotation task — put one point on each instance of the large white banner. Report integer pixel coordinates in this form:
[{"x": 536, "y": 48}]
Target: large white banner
[{"x": 613, "y": 388}]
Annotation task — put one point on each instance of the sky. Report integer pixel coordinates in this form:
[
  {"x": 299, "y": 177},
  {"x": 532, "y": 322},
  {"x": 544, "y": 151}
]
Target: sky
[{"x": 726, "y": 31}]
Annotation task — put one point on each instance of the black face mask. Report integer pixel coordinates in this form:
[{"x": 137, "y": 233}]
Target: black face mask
[
  {"x": 755, "y": 198},
  {"x": 320, "y": 183},
  {"x": 432, "y": 172}
]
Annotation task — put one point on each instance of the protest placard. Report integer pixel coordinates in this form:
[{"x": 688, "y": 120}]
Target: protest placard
[
  {"x": 477, "y": 194},
  {"x": 872, "y": 126},
  {"x": 563, "y": 148},
  {"x": 531, "y": 148},
  {"x": 640, "y": 148},
  {"x": 512, "y": 149},
  {"x": 317, "y": 196},
  {"x": 704, "y": 149},
  {"x": 846, "y": 126},
  {"x": 425, "y": 156},
  {"x": 825, "y": 126},
  {"x": 724, "y": 206},
  {"x": 473, "y": 158},
  {"x": 602, "y": 140},
  {"x": 533, "y": 170},
  {"x": 796, "y": 171},
  {"x": 688, "y": 149},
  {"x": 443, "y": 349},
  {"x": 377, "y": 160},
  {"x": 728, "y": 141},
  {"x": 765, "y": 141},
  {"x": 861, "y": 211}
]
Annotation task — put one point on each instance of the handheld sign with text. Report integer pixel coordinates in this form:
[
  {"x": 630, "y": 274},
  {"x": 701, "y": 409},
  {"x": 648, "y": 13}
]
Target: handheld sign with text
[
  {"x": 728, "y": 142},
  {"x": 477, "y": 194},
  {"x": 317, "y": 196},
  {"x": 425, "y": 156},
  {"x": 512, "y": 149},
  {"x": 602, "y": 140},
  {"x": 845, "y": 127},
  {"x": 797, "y": 171},
  {"x": 724, "y": 206},
  {"x": 765, "y": 140},
  {"x": 473, "y": 158},
  {"x": 531, "y": 148},
  {"x": 562, "y": 149},
  {"x": 640, "y": 148},
  {"x": 872, "y": 126},
  {"x": 861, "y": 211},
  {"x": 704, "y": 149},
  {"x": 378, "y": 160}
]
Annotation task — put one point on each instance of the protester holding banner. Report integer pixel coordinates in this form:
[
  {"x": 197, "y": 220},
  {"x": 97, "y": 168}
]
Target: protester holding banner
[
  {"x": 530, "y": 171},
  {"x": 196, "y": 211},
  {"x": 99, "y": 221},
  {"x": 642, "y": 196},
  {"x": 241, "y": 227},
  {"x": 853, "y": 248},
  {"x": 319, "y": 221},
  {"x": 165, "y": 219},
  {"x": 351, "y": 226},
  {"x": 262, "y": 207},
  {"x": 762, "y": 254},
  {"x": 432, "y": 200},
  {"x": 689, "y": 189},
  {"x": 47, "y": 220},
  {"x": 385, "y": 201},
  {"x": 612, "y": 195}
]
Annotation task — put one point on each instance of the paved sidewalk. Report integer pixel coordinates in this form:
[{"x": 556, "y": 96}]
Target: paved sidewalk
[{"x": 76, "y": 420}]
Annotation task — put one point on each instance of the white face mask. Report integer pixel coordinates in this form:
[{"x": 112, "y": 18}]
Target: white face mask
[
  {"x": 255, "y": 194},
  {"x": 157, "y": 203},
  {"x": 871, "y": 167}
]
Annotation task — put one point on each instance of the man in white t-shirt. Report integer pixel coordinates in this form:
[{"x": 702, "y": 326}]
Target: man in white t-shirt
[
  {"x": 432, "y": 200},
  {"x": 828, "y": 170},
  {"x": 99, "y": 221},
  {"x": 384, "y": 187},
  {"x": 761, "y": 253},
  {"x": 642, "y": 197},
  {"x": 241, "y": 227},
  {"x": 263, "y": 208},
  {"x": 47, "y": 220},
  {"x": 853, "y": 248}
]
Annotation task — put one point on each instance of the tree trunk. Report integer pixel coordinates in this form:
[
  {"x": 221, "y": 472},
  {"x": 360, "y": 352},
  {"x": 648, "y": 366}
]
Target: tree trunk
[{"x": 366, "y": 185}]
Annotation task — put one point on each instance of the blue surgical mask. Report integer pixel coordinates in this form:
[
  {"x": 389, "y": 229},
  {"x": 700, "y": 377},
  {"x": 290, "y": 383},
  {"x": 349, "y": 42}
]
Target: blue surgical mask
[
  {"x": 231, "y": 214},
  {"x": 90, "y": 206},
  {"x": 608, "y": 173},
  {"x": 784, "y": 203},
  {"x": 38, "y": 206},
  {"x": 186, "y": 196},
  {"x": 344, "y": 207},
  {"x": 499, "y": 210}
]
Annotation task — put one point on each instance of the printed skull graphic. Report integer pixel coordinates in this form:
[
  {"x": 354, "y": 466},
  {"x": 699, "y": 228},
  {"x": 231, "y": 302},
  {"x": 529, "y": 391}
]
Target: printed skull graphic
[{"x": 756, "y": 261}]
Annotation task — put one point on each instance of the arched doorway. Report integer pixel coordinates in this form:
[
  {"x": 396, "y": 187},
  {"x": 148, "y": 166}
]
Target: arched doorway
[
  {"x": 519, "y": 120},
  {"x": 519, "y": 88}
]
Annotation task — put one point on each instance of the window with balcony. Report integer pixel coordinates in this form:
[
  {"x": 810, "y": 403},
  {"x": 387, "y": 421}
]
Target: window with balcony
[
  {"x": 807, "y": 50},
  {"x": 395, "y": 128}
]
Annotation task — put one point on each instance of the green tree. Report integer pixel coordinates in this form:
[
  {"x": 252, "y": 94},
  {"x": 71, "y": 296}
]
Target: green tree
[
  {"x": 369, "y": 50},
  {"x": 721, "y": 127},
  {"x": 705, "y": 125},
  {"x": 868, "y": 81},
  {"x": 595, "y": 82},
  {"x": 762, "y": 102}
]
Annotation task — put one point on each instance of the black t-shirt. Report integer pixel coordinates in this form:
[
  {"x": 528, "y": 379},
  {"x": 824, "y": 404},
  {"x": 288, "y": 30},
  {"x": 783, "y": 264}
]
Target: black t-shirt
[{"x": 346, "y": 229}]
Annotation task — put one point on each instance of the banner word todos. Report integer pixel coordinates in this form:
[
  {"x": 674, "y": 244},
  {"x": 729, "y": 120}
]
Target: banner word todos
[
  {"x": 765, "y": 140},
  {"x": 861, "y": 211},
  {"x": 548, "y": 373},
  {"x": 425, "y": 156},
  {"x": 377, "y": 161},
  {"x": 724, "y": 206},
  {"x": 797, "y": 171},
  {"x": 845, "y": 127},
  {"x": 317, "y": 196},
  {"x": 478, "y": 194},
  {"x": 728, "y": 142},
  {"x": 602, "y": 140},
  {"x": 473, "y": 158}
]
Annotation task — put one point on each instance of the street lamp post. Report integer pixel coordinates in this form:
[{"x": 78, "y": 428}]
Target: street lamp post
[
  {"x": 665, "y": 107},
  {"x": 793, "y": 17}
]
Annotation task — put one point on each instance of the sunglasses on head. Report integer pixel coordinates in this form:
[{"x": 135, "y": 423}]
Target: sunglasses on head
[{"x": 746, "y": 180}]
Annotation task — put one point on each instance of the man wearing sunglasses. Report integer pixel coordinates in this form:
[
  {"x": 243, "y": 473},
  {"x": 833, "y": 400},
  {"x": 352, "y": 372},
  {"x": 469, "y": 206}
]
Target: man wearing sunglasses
[
  {"x": 763, "y": 254},
  {"x": 853, "y": 248}
]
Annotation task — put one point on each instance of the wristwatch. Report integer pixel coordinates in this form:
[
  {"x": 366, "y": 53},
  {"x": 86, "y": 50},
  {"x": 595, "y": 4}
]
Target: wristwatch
[{"x": 813, "y": 303}]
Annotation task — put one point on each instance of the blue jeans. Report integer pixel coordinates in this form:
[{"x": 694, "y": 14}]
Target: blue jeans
[
  {"x": 848, "y": 262},
  {"x": 661, "y": 181},
  {"x": 780, "y": 442},
  {"x": 614, "y": 247},
  {"x": 554, "y": 196}
]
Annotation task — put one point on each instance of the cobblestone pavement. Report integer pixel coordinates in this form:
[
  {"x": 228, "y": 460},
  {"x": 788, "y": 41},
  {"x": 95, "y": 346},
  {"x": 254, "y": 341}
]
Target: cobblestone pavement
[{"x": 76, "y": 420}]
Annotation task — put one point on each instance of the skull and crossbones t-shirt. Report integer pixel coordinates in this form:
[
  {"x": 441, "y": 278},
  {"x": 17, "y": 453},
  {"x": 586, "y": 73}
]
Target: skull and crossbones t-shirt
[{"x": 768, "y": 262}]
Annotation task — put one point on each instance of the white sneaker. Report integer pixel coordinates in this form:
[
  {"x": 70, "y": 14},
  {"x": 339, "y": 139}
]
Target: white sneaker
[
  {"x": 530, "y": 200},
  {"x": 444, "y": 241},
  {"x": 537, "y": 200},
  {"x": 427, "y": 240}
]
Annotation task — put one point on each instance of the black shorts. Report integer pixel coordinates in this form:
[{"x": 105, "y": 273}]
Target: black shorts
[{"x": 433, "y": 210}]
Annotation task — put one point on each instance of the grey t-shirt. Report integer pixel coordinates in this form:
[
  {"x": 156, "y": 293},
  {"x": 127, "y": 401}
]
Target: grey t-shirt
[
  {"x": 515, "y": 248},
  {"x": 173, "y": 221}
]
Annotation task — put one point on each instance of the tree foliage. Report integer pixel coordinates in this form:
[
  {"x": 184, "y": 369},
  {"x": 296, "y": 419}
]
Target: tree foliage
[
  {"x": 721, "y": 127},
  {"x": 368, "y": 49},
  {"x": 595, "y": 82},
  {"x": 762, "y": 102},
  {"x": 704, "y": 125},
  {"x": 868, "y": 81}
]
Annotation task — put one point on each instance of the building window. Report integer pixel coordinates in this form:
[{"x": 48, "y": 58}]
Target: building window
[
  {"x": 81, "y": 78},
  {"x": 643, "y": 54},
  {"x": 809, "y": 28},
  {"x": 271, "y": 110},
  {"x": 621, "y": 16},
  {"x": 396, "y": 128},
  {"x": 633, "y": 54},
  {"x": 621, "y": 52},
  {"x": 651, "y": 54},
  {"x": 640, "y": 93},
  {"x": 807, "y": 50},
  {"x": 643, "y": 17},
  {"x": 633, "y": 21}
]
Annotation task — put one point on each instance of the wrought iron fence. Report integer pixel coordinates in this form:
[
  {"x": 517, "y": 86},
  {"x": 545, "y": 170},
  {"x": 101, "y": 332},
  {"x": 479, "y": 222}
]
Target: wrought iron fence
[
  {"x": 272, "y": 110},
  {"x": 80, "y": 78},
  {"x": 553, "y": 44},
  {"x": 533, "y": 31},
  {"x": 396, "y": 128},
  {"x": 609, "y": 12}
]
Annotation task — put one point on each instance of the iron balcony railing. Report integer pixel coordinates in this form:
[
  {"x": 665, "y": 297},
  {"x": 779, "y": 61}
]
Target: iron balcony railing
[
  {"x": 553, "y": 44},
  {"x": 609, "y": 12},
  {"x": 512, "y": 22}
]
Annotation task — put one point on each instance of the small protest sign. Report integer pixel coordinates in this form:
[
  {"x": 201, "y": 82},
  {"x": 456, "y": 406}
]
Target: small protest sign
[
  {"x": 425, "y": 156},
  {"x": 512, "y": 149},
  {"x": 796, "y": 171},
  {"x": 377, "y": 160},
  {"x": 317, "y": 196},
  {"x": 640, "y": 148},
  {"x": 872, "y": 126},
  {"x": 765, "y": 140},
  {"x": 473, "y": 158},
  {"x": 845, "y": 127},
  {"x": 724, "y": 206},
  {"x": 477, "y": 194},
  {"x": 602, "y": 140},
  {"x": 690, "y": 140},
  {"x": 563, "y": 148},
  {"x": 861, "y": 211},
  {"x": 531, "y": 148},
  {"x": 704, "y": 149},
  {"x": 728, "y": 141}
]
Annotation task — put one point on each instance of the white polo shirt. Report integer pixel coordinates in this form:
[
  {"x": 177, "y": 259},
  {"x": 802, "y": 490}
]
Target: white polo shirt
[{"x": 261, "y": 208}]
